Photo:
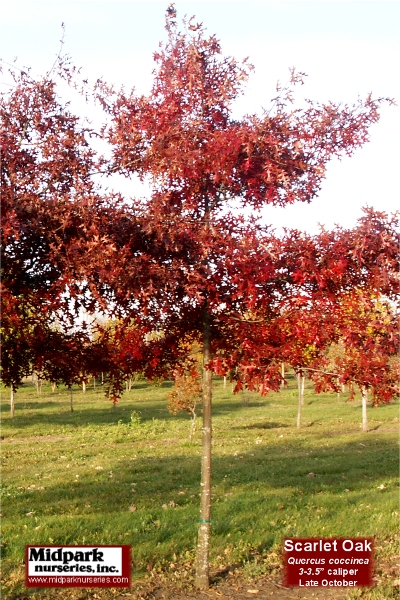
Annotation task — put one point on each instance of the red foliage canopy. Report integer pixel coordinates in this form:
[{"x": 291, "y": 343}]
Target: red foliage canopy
[{"x": 203, "y": 254}]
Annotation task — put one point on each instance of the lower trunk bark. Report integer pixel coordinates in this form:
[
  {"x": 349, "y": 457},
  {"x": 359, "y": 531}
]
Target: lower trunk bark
[
  {"x": 364, "y": 396},
  {"x": 300, "y": 387},
  {"x": 39, "y": 384},
  {"x": 12, "y": 403},
  {"x": 202, "y": 558},
  {"x": 192, "y": 424}
]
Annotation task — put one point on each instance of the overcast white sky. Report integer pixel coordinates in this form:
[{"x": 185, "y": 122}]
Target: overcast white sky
[{"x": 348, "y": 49}]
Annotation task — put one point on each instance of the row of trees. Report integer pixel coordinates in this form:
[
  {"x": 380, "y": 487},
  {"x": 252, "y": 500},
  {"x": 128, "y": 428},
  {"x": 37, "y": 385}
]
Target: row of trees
[{"x": 187, "y": 262}]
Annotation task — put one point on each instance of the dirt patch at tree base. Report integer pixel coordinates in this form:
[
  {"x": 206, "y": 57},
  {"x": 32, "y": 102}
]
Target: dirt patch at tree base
[
  {"x": 261, "y": 589},
  {"x": 264, "y": 588}
]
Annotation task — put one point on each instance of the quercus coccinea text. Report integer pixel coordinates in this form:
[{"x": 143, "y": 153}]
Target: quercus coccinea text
[{"x": 208, "y": 265}]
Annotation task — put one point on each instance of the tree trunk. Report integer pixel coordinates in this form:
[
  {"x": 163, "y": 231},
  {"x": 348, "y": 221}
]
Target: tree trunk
[
  {"x": 39, "y": 384},
  {"x": 94, "y": 382},
  {"x": 364, "y": 400},
  {"x": 202, "y": 558},
  {"x": 192, "y": 424},
  {"x": 71, "y": 403},
  {"x": 283, "y": 374},
  {"x": 302, "y": 384},
  {"x": 12, "y": 403},
  {"x": 300, "y": 387},
  {"x": 224, "y": 382},
  {"x": 84, "y": 387}
]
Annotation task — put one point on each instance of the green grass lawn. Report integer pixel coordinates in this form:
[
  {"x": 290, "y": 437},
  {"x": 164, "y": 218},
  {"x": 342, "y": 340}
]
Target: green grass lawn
[{"x": 131, "y": 475}]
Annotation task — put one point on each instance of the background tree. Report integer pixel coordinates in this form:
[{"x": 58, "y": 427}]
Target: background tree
[
  {"x": 16, "y": 335},
  {"x": 187, "y": 389},
  {"x": 55, "y": 223},
  {"x": 319, "y": 275},
  {"x": 369, "y": 340}
]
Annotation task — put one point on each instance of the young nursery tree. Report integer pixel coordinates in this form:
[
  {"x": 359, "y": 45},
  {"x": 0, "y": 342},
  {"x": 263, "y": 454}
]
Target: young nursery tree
[
  {"x": 327, "y": 278},
  {"x": 201, "y": 270},
  {"x": 361, "y": 268},
  {"x": 368, "y": 334},
  {"x": 55, "y": 224},
  {"x": 187, "y": 390}
]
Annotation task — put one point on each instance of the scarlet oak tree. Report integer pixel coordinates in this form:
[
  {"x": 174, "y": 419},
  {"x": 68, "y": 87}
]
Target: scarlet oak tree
[{"x": 202, "y": 270}]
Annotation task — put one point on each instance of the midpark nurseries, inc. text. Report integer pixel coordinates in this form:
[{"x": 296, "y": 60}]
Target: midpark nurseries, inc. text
[
  {"x": 60, "y": 561},
  {"x": 80, "y": 566},
  {"x": 328, "y": 562}
]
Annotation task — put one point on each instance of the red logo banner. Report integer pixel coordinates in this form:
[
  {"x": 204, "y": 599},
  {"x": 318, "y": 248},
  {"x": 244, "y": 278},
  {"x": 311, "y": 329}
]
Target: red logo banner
[{"x": 328, "y": 562}]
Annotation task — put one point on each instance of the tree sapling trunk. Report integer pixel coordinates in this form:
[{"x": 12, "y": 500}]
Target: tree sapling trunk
[
  {"x": 12, "y": 403},
  {"x": 193, "y": 423},
  {"x": 203, "y": 546},
  {"x": 364, "y": 400},
  {"x": 300, "y": 387}
]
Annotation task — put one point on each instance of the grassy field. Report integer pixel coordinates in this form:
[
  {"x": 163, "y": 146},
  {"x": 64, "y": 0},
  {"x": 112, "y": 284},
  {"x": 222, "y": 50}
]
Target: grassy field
[{"x": 131, "y": 475}]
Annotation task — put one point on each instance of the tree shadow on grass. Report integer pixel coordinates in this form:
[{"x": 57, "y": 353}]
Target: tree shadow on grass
[
  {"x": 100, "y": 411},
  {"x": 21, "y": 405},
  {"x": 156, "y": 477},
  {"x": 266, "y": 425},
  {"x": 165, "y": 512}
]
